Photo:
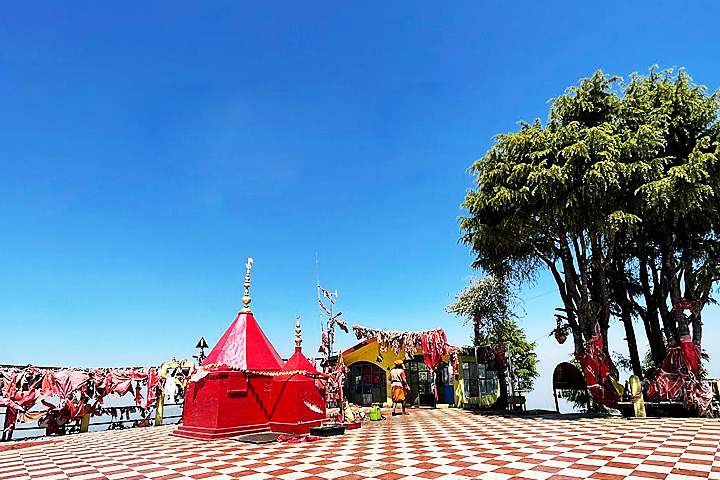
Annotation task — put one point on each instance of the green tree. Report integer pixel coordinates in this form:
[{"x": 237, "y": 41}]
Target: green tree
[
  {"x": 675, "y": 193},
  {"x": 545, "y": 196},
  {"x": 616, "y": 195},
  {"x": 488, "y": 303}
]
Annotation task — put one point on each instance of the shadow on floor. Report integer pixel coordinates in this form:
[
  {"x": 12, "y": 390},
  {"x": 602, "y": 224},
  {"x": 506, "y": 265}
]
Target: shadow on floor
[{"x": 543, "y": 414}]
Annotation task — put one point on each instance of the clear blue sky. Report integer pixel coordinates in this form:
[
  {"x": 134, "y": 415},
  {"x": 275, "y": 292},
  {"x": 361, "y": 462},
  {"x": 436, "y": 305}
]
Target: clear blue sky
[{"x": 148, "y": 148}]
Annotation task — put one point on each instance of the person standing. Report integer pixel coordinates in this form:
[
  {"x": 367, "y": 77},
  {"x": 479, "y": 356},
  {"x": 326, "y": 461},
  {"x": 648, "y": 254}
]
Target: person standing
[{"x": 399, "y": 385}]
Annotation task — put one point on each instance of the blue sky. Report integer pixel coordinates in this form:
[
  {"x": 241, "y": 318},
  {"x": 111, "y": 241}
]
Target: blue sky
[{"x": 146, "y": 150}]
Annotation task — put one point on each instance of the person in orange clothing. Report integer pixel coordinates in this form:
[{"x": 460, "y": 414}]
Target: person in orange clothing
[{"x": 399, "y": 385}]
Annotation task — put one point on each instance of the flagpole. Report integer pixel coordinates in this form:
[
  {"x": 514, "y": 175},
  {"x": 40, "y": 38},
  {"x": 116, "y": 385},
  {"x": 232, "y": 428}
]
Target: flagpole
[
  {"x": 329, "y": 312},
  {"x": 331, "y": 331},
  {"x": 317, "y": 282}
]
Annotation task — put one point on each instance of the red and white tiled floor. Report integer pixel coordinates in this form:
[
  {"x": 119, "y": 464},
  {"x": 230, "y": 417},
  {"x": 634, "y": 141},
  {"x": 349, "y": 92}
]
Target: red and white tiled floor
[{"x": 428, "y": 444}]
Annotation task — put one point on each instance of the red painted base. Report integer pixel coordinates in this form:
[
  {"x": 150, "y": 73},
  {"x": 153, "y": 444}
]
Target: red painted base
[
  {"x": 225, "y": 404},
  {"x": 200, "y": 433}
]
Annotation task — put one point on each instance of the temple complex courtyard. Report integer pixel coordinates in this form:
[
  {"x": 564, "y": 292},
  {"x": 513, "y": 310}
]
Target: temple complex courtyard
[{"x": 427, "y": 444}]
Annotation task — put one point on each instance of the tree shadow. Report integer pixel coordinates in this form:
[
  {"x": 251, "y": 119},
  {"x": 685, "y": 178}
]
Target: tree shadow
[{"x": 541, "y": 414}]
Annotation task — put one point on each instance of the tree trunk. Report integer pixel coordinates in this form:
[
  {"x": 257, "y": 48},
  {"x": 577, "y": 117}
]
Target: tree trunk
[
  {"x": 501, "y": 402},
  {"x": 631, "y": 341},
  {"x": 669, "y": 272},
  {"x": 567, "y": 300},
  {"x": 650, "y": 316},
  {"x": 691, "y": 294},
  {"x": 603, "y": 294},
  {"x": 654, "y": 334},
  {"x": 476, "y": 332},
  {"x": 697, "y": 326},
  {"x": 668, "y": 320}
]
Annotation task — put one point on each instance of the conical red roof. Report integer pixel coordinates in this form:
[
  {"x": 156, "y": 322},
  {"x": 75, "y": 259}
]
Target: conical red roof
[
  {"x": 298, "y": 362},
  {"x": 245, "y": 346}
]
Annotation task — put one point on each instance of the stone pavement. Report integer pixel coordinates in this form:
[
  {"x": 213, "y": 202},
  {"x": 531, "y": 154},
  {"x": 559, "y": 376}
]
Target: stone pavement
[{"x": 428, "y": 444}]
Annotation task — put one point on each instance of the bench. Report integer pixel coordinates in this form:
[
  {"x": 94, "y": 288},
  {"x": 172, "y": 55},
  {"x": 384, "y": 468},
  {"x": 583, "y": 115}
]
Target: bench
[{"x": 513, "y": 400}]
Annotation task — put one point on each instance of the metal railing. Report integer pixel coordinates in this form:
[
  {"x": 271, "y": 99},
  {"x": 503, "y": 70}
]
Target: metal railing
[
  {"x": 86, "y": 424},
  {"x": 155, "y": 416}
]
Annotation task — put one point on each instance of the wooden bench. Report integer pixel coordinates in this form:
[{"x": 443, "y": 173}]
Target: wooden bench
[{"x": 513, "y": 400}]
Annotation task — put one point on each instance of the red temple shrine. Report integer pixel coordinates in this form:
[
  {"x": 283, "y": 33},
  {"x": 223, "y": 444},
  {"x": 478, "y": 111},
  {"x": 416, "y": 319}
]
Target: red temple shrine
[
  {"x": 299, "y": 403},
  {"x": 243, "y": 387}
]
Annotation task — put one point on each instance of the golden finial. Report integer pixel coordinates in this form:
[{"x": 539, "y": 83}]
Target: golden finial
[
  {"x": 298, "y": 338},
  {"x": 246, "y": 299}
]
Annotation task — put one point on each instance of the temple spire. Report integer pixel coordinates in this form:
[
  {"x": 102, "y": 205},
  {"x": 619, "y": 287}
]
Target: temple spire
[
  {"x": 246, "y": 299},
  {"x": 298, "y": 338}
]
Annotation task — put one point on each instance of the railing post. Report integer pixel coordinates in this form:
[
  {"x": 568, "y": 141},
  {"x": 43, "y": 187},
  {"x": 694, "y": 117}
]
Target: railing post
[
  {"x": 9, "y": 426},
  {"x": 85, "y": 421},
  {"x": 159, "y": 409}
]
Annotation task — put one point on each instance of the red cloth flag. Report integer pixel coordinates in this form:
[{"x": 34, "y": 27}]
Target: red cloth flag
[
  {"x": 328, "y": 294},
  {"x": 324, "y": 308}
]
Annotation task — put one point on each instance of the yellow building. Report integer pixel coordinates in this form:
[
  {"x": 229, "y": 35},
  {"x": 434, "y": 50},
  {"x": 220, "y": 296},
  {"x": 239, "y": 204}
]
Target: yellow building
[{"x": 368, "y": 382}]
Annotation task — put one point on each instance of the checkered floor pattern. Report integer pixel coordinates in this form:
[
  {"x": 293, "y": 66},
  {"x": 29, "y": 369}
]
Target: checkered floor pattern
[{"x": 428, "y": 444}]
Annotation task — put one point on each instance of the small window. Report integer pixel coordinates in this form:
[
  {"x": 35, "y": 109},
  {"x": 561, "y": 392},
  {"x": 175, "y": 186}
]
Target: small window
[{"x": 470, "y": 375}]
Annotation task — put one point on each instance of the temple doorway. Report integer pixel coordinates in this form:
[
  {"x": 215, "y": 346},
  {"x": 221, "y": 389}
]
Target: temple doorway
[{"x": 421, "y": 380}]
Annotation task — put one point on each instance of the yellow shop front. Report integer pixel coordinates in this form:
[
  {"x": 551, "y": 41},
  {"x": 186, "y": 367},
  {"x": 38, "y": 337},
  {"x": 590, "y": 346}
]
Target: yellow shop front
[{"x": 367, "y": 381}]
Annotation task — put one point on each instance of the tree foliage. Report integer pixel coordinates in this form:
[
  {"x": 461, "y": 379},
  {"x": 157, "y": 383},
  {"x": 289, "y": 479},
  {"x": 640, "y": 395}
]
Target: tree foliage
[
  {"x": 489, "y": 303},
  {"x": 616, "y": 195}
]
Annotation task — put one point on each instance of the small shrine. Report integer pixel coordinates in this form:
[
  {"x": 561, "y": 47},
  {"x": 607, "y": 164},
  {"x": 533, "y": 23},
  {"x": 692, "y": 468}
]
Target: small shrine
[
  {"x": 243, "y": 386},
  {"x": 222, "y": 398},
  {"x": 298, "y": 393}
]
